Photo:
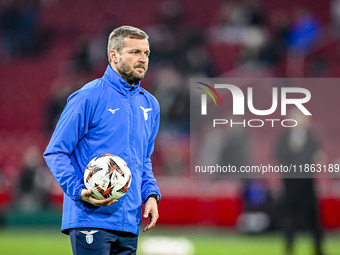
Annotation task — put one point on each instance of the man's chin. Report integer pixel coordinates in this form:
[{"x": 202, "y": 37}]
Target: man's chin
[
  {"x": 140, "y": 75},
  {"x": 136, "y": 78}
]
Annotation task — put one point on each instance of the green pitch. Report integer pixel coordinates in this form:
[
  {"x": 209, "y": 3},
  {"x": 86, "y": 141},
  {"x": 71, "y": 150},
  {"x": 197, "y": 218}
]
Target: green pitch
[
  {"x": 38, "y": 241},
  {"x": 212, "y": 242}
]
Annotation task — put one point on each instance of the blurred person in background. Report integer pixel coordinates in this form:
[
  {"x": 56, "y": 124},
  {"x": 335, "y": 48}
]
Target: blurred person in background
[
  {"x": 305, "y": 31},
  {"x": 169, "y": 89},
  {"x": 34, "y": 182},
  {"x": 89, "y": 56},
  {"x": 304, "y": 34},
  {"x": 5, "y": 195},
  {"x": 275, "y": 46},
  {"x": 108, "y": 115},
  {"x": 8, "y": 23},
  {"x": 60, "y": 90},
  {"x": 56, "y": 104},
  {"x": 241, "y": 23},
  {"x": 335, "y": 14},
  {"x": 300, "y": 146},
  {"x": 176, "y": 43},
  {"x": 19, "y": 27}
]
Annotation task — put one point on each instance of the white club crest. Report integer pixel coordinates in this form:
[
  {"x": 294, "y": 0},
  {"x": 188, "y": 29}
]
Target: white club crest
[
  {"x": 89, "y": 235},
  {"x": 145, "y": 111}
]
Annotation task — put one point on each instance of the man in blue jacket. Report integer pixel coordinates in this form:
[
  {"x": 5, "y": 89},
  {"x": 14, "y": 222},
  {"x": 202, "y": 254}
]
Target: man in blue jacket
[{"x": 113, "y": 115}]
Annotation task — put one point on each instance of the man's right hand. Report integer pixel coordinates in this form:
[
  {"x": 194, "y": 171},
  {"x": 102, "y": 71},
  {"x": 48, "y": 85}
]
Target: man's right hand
[{"x": 85, "y": 195}]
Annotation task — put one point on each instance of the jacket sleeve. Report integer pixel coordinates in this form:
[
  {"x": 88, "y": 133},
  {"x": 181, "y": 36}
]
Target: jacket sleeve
[
  {"x": 72, "y": 127},
  {"x": 149, "y": 184}
]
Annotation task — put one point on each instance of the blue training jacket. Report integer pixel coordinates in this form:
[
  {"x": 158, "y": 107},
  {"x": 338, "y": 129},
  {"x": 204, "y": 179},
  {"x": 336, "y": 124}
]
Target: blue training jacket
[{"x": 107, "y": 115}]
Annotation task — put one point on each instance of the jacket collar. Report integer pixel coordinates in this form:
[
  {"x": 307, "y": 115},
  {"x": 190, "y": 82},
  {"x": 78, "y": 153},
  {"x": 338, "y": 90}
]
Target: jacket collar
[{"x": 116, "y": 81}]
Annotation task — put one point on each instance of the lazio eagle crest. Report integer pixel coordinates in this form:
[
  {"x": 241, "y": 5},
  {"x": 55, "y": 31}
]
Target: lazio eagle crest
[{"x": 89, "y": 235}]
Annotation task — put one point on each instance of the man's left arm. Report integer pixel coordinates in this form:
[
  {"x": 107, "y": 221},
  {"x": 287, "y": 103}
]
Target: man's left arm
[{"x": 150, "y": 191}]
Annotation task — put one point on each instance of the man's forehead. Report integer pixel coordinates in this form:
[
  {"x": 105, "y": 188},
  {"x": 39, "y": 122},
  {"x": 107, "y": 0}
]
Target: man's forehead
[{"x": 142, "y": 44}]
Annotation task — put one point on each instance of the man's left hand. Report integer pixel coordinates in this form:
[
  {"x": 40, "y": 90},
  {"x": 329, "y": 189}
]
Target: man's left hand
[{"x": 151, "y": 211}]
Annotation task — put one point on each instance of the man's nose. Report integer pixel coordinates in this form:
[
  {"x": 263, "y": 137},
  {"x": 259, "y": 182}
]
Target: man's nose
[{"x": 143, "y": 58}]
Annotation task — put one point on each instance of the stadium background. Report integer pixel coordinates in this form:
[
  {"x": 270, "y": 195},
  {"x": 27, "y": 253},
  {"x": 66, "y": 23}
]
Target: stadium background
[{"x": 49, "y": 48}]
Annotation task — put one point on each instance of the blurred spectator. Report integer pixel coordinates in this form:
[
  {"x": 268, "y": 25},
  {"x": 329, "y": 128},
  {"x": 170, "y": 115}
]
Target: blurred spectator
[
  {"x": 199, "y": 63},
  {"x": 300, "y": 146},
  {"x": 174, "y": 42},
  {"x": 9, "y": 17},
  {"x": 34, "y": 182},
  {"x": 305, "y": 31},
  {"x": 241, "y": 23},
  {"x": 318, "y": 66},
  {"x": 335, "y": 14},
  {"x": 173, "y": 97},
  {"x": 178, "y": 52},
  {"x": 81, "y": 62},
  {"x": 60, "y": 91},
  {"x": 224, "y": 146},
  {"x": 174, "y": 156},
  {"x": 98, "y": 47},
  {"x": 274, "y": 49},
  {"x": 257, "y": 211},
  {"x": 179, "y": 111},
  {"x": 5, "y": 196},
  {"x": 255, "y": 13},
  {"x": 256, "y": 196},
  {"x": 168, "y": 33},
  {"x": 18, "y": 21},
  {"x": 235, "y": 147},
  {"x": 90, "y": 53},
  {"x": 209, "y": 144}
]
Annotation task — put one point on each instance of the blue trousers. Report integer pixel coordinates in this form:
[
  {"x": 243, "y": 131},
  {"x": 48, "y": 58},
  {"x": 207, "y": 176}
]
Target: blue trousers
[{"x": 91, "y": 241}]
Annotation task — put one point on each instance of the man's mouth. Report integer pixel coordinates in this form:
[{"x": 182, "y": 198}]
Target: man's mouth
[{"x": 140, "y": 68}]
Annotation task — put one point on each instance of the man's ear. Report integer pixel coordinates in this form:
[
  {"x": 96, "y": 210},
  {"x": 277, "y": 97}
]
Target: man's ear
[{"x": 114, "y": 56}]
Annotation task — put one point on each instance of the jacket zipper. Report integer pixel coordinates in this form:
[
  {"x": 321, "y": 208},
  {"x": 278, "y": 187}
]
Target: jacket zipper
[{"x": 129, "y": 142}]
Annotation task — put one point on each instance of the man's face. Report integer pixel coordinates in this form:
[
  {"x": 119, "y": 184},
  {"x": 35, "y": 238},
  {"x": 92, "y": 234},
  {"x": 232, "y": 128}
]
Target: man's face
[{"x": 132, "y": 62}]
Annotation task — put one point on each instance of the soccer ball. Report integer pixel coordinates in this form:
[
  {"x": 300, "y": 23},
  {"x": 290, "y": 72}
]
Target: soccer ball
[{"x": 108, "y": 176}]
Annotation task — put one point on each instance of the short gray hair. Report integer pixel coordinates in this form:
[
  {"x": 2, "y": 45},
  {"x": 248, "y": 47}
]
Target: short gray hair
[{"x": 117, "y": 36}]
